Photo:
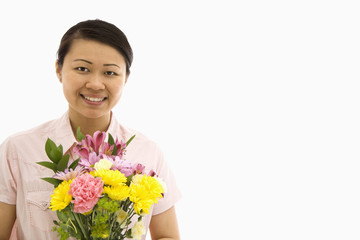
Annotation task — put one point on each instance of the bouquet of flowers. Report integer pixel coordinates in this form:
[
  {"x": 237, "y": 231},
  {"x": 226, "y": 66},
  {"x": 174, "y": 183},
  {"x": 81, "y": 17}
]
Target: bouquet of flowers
[{"x": 100, "y": 195}]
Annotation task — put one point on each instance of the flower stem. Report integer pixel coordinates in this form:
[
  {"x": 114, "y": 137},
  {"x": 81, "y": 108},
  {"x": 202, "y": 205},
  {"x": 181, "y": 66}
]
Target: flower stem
[{"x": 78, "y": 220}]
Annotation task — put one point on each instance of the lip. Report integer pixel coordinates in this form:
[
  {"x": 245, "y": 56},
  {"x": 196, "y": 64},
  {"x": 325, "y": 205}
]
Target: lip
[{"x": 93, "y": 103}]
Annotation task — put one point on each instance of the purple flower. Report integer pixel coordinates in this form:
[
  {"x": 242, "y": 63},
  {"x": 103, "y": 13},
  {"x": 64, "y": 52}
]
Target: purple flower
[
  {"x": 90, "y": 144},
  {"x": 88, "y": 162},
  {"x": 81, "y": 151},
  {"x": 97, "y": 140},
  {"x": 106, "y": 149},
  {"x": 93, "y": 148},
  {"x": 120, "y": 146},
  {"x": 124, "y": 166},
  {"x": 152, "y": 173},
  {"x": 138, "y": 168},
  {"x": 69, "y": 174}
]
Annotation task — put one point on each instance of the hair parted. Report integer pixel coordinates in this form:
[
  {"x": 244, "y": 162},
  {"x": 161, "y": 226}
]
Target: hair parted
[{"x": 100, "y": 31}]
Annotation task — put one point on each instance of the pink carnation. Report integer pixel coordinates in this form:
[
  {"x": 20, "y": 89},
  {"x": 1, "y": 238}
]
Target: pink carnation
[{"x": 86, "y": 191}]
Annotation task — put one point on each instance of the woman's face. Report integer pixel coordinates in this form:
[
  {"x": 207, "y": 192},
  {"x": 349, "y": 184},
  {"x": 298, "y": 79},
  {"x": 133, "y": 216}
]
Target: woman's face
[{"x": 93, "y": 76}]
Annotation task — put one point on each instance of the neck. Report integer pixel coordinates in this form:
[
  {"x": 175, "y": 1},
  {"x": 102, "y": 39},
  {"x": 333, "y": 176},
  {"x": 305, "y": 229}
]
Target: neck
[{"x": 89, "y": 125}]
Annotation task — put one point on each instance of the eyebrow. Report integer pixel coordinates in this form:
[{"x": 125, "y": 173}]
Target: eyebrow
[
  {"x": 108, "y": 64},
  {"x": 111, "y": 64}
]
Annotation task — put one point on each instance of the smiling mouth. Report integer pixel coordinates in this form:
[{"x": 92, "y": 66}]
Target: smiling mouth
[{"x": 92, "y": 99}]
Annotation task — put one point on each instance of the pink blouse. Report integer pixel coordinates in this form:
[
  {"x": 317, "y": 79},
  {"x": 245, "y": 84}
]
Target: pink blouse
[{"x": 20, "y": 182}]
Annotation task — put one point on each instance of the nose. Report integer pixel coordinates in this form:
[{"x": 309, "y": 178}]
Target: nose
[{"x": 95, "y": 82}]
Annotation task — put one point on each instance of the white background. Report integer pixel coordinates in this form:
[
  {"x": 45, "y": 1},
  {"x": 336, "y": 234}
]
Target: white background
[{"x": 255, "y": 104}]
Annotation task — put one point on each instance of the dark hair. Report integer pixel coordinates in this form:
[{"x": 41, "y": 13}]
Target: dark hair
[{"x": 100, "y": 31}]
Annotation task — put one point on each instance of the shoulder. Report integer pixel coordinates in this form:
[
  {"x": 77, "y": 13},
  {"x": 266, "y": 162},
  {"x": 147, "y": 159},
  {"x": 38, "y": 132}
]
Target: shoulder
[
  {"x": 140, "y": 140},
  {"x": 35, "y": 136},
  {"x": 123, "y": 132},
  {"x": 142, "y": 149},
  {"x": 31, "y": 134},
  {"x": 21, "y": 145}
]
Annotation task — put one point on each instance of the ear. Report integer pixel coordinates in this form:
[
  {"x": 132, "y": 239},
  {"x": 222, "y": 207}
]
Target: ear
[
  {"x": 126, "y": 78},
  {"x": 58, "y": 71}
]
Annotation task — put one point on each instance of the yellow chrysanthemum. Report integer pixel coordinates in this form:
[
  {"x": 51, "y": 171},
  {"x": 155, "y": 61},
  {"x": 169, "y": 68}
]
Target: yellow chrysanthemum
[
  {"x": 110, "y": 177},
  {"x": 119, "y": 193},
  {"x": 145, "y": 192},
  {"x": 60, "y": 198}
]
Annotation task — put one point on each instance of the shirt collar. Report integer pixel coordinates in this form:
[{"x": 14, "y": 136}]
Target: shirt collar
[
  {"x": 115, "y": 129},
  {"x": 61, "y": 131}
]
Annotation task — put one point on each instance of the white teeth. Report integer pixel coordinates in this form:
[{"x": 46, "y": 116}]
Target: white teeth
[{"x": 94, "y": 99}]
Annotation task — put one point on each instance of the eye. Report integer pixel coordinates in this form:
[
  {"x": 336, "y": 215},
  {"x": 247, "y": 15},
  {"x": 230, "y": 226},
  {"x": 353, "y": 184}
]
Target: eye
[
  {"x": 82, "y": 69},
  {"x": 110, "y": 73}
]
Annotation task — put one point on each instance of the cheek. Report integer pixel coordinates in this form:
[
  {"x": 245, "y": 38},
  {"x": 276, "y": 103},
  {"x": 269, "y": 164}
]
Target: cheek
[
  {"x": 68, "y": 93},
  {"x": 116, "y": 91},
  {"x": 72, "y": 81},
  {"x": 70, "y": 86}
]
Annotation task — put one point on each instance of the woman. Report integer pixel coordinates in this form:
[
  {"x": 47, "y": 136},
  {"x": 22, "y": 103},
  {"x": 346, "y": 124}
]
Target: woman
[{"x": 93, "y": 65}]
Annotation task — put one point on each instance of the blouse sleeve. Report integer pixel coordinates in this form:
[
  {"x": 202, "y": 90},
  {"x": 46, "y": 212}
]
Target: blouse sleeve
[
  {"x": 172, "y": 194},
  {"x": 8, "y": 171}
]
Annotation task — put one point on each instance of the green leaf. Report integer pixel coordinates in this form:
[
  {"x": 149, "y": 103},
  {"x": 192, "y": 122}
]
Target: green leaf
[
  {"x": 111, "y": 140},
  {"x": 63, "y": 215},
  {"x": 49, "y": 145},
  {"x": 60, "y": 148},
  {"x": 128, "y": 233},
  {"x": 72, "y": 216},
  {"x": 114, "y": 152},
  {"x": 49, "y": 165},
  {"x": 129, "y": 141},
  {"x": 62, "y": 165},
  {"x": 79, "y": 135},
  {"x": 74, "y": 164},
  {"x": 129, "y": 178},
  {"x": 52, "y": 151},
  {"x": 53, "y": 181}
]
